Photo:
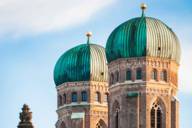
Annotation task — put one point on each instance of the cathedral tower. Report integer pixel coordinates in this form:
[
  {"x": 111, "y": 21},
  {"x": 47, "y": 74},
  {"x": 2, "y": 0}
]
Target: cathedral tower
[
  {"x": 25, "y": 118},
  {"x": 143, "y": 57},
  {"x": 80, "y": 76}
]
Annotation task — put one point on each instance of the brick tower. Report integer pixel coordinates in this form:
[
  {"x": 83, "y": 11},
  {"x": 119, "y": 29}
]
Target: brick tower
[
  {"x": 80, "y": 76},
  {"x": 143, "y": 57}
]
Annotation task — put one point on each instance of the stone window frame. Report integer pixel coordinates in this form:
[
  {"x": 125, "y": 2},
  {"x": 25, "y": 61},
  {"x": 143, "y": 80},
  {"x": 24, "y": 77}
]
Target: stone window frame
[
  {"x": 112, "y": 78},
  {"x": 154, "y": 74},
  {"x": 97, "y": 97},
  {"x": 74, "y": 97},
  {"x": 116, "y": 76},
  {"x": 139, "y": 73},
  {"x": 157, "y": 114},
  {"x": 106, "y": 97},
  {"x": 164, "y": 75},
  {"x": 64, "y": 98},
  {"x": 128, "y": 74},
  {"x": 116, "y": 111},
  {"x": 84, "y": 96},
  {"x": 60, "y": 100}
]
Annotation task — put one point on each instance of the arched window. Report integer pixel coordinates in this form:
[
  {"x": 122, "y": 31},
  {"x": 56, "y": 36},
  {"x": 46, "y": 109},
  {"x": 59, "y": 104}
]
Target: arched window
[
  {"x": 97, "y": 97},
  {"x": 101, "y": 124},
  {"x": 157, "y": 116},
  {"x": 154, "y": 74},
  {"x": 64, "y": 99},
  {"x": 139, "y": 74},
  {"x": 112, "y": 78},
  {"x": 115, "y": 113},
  {"x": 128, "y": 74},
  {"x": 59, "y": 100},
  {"x": 84, "y": 96},
  {"x": 106, "y": 97},
  {"x": 74, "y": 97},
  {"x": 164, "y": 75},
  {"x": 116, "y": 76}
]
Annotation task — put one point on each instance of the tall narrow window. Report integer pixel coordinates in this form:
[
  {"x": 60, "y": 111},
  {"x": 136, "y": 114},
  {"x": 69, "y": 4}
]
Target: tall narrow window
[
  {"x": 84, "y": 96},
  {"x": 106, "y": 97},
  {"x": 116, "y": 76},
  {"x": 115, "y": 114},
  {"x": 164, "y": 75},
  {"x": 128, "y": 74},
  {"x": 152, "y": 118},
  {"x": 154, "y": 74},
  {"x": 156, "y": 116},
  {"x": 112, "y": 78},
  {"x": 74, "y": 97},
  {"x": 117, "y": 119},
  {"x": 159, "y": 118},
  {"x": 97, "y": 97},
  {"x": 60, "y": 100},
  {"x": 64, "y": 99},
  {"x": 139, "y": 74}
]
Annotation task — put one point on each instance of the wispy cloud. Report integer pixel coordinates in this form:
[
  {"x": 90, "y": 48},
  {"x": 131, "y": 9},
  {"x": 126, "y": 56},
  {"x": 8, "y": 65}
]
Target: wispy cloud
[{"x": 37, "y": 16}]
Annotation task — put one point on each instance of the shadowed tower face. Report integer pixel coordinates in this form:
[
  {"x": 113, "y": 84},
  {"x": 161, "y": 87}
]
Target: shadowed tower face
[
  {"x": 81, "y": 81},
  {"x": 143, "y": 57}
]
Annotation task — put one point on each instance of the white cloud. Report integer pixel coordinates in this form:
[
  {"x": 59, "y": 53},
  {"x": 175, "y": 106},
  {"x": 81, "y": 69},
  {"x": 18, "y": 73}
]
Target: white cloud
[{"x": 37, "y": 16}]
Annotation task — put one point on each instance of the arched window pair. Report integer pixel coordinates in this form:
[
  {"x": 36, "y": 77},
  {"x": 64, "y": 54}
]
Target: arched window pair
[
  {"x": 154, "y": 75},
  {"x": 138, "y": 74},
  {"x": 74, "y": 96},
  {"x": 114, "y": 78},
  {"x": 98, "y": 97}
]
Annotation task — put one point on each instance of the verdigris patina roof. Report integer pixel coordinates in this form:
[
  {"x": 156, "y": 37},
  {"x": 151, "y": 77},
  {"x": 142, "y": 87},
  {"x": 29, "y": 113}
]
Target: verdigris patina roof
[
  {"x": 140, "y": 37},
  {"x": 84, "y": 62}
]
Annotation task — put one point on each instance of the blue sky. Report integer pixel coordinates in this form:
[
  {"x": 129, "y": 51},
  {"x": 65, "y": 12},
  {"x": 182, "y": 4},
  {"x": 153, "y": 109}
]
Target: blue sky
[{"x": 33, "y": 34}]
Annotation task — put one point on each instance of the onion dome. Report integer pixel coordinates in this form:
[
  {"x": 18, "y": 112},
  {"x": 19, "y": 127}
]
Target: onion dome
[
  {"x": 143, "y": 36},
  {"x": 85, "y": 62}
]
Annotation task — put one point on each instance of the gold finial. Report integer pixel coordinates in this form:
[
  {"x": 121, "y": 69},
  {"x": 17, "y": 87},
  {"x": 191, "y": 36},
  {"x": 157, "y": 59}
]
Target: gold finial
[
  {"x": 143, "y": 7},
  {"x": 88, "y": 34}
]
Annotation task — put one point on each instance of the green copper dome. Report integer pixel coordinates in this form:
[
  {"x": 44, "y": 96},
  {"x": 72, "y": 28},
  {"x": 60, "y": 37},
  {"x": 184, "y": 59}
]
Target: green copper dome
[
  {"x": 140, "y": 37},
  {"x": 84, "y": 62}
]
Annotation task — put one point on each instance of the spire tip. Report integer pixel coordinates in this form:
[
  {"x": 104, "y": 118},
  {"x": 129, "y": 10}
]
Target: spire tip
[{"x": 143, "y": 8}]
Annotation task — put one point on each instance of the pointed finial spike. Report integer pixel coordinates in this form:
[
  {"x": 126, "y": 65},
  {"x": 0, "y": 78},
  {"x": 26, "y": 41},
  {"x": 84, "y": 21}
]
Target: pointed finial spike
[
  {"x": 143, "y": 8},
  {"x": 88, "y": 34}
]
